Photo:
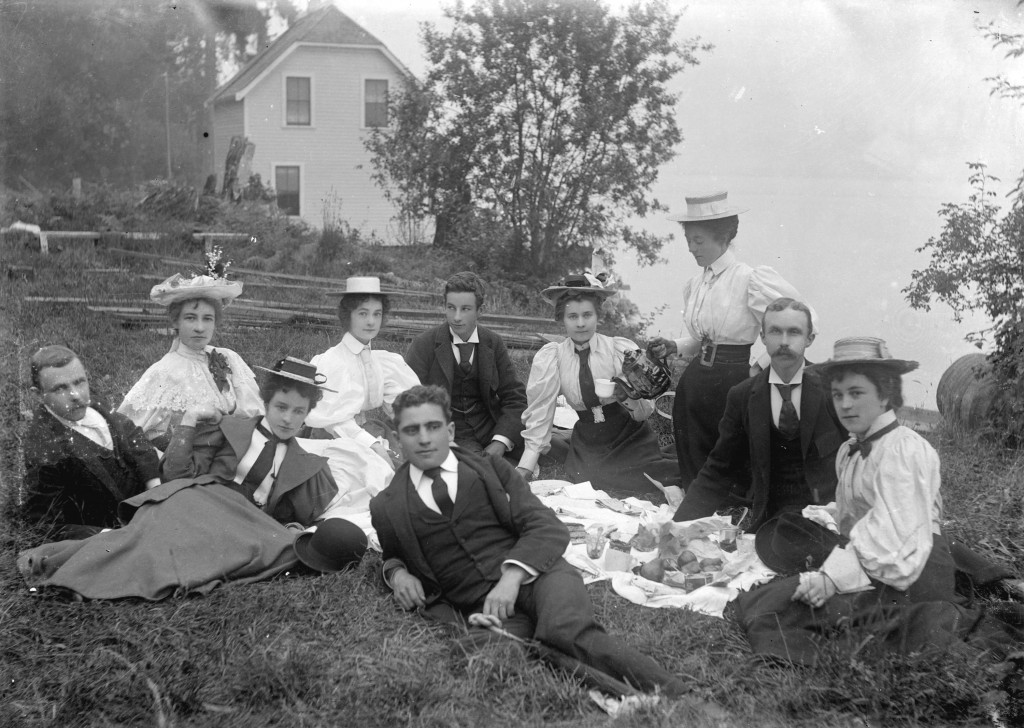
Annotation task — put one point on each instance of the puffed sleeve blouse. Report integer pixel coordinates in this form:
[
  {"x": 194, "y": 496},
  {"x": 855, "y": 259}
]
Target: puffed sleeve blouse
[
  {"x": 182, "y": 379},
  {"x": 341, "y": 413},
  {"x": 556, "y": 370},
  {"x": 726, "y": 301},
  {"x": 889, "y": 505}
]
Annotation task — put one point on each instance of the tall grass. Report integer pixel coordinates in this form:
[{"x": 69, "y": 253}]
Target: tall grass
[{"x": 335, "y": 650}]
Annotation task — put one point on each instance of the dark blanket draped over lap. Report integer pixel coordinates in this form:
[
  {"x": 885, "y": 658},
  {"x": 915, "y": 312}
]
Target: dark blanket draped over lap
[{"x": 183, "y": 536}]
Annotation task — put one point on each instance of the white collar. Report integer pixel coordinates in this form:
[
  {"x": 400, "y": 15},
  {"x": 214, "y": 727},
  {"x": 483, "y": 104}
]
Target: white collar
[
  {"x": 474, "y": 338},
  {"x": 352, "y": 343},
  {"x": 450, "y": 465},
  {"x": 92, "y": 418},
  {"x": 886, "y": 418},
  {"x": 798, "y": 378},
  {"x": 727, "y": 259}
]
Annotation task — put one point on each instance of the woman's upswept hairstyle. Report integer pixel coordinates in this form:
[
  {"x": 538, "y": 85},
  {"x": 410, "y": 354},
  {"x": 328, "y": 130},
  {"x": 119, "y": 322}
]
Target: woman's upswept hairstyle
[
  {"x": 174, "y": 310},
  {"x": 351, "y": 301},
  {"x": 724, "y": 228},
  {"x": 273, "y": 383},
  {"x": 886, "y": 379},
  {"x": 574, "y": 296}
]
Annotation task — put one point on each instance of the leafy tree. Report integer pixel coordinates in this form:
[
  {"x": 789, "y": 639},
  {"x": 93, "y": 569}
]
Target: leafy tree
[
  {"x": 547, "y": 118},
  {"x": 977, "y": 261}
]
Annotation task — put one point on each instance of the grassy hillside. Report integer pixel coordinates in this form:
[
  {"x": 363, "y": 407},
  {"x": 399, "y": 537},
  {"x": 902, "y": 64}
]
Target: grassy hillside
[{"x": 334, "y": 650}]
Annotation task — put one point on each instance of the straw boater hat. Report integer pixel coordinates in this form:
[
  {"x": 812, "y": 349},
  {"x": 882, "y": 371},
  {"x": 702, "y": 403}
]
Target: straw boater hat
[
  {"x": 299, "y": 370},
  {"x": 179, "y": 288},
  {"x": 708, "y": 207},
  {"x": 865, "y": 350},
  {"x": 577, "y": 284},
  {"x": 361, "y": 284}
]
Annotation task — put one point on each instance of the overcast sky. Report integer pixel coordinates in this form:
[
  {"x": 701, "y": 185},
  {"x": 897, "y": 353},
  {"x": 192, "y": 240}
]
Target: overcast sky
[{"x": 843, "y": 126}]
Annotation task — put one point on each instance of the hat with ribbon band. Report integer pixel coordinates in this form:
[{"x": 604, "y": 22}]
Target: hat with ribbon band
[
  {"x": 708, "y": 207},
  {"x": 577, "y": 283},
  {"x": 864, "y": 350},
  {"x": 299, "y": 370},
  {"x": 179, "y": 288}
]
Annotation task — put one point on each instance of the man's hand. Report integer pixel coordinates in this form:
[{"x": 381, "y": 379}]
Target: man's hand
[
  {"x": 408, "y": 589},
  {"x": 662, "y": 348},
  {"x": 527, "y": 474},
  {"x": 815, "y": 589},
  {"x": 496, "y": 449},
  {"x": 501, "y": 600}
]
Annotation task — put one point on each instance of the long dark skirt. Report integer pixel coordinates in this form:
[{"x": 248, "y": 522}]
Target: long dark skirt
[
  {"x": 614, "y": 455},
  {"x": 928, "y": 615},
  {"x": 698, "y": 408}
]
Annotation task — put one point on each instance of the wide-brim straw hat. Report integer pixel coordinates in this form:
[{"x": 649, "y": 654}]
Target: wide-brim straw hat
[
  {"x": 299, "y": 370},
  {"x": 577, "y": 284},
  {"x": 713, "y": 206},
  {"x": 865, "y": 350},
  {"x": 360, "y": 285},
  {"x": 179, "y": 288}
]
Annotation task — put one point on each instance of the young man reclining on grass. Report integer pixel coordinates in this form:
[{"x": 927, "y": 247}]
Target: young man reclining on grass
[
  {"x": 463, "y": 534},
  {"x": 239, "y": 498},
  {"x": 81, "y": 460}
]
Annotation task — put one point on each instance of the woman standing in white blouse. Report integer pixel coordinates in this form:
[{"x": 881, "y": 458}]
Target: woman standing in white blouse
[
  {"x": 366, "y": 378},
  {"x": 611, "y": 445},
  {"x": 723, "y": 308}
]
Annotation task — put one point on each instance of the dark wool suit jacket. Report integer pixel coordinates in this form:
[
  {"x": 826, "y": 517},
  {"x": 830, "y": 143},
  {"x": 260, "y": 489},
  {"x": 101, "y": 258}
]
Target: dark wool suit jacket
[
  {"x": 209, "y": 454},
  {"x": 430, "y": 355},
  {"x": 541, "y": 537},
  {"x": 741, "y": 458},
  {"x": 66, "y": 482}
]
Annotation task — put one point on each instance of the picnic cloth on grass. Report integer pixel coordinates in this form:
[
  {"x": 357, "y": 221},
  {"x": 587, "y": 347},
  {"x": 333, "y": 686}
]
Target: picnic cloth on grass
[{"x": 579, "y": 503}]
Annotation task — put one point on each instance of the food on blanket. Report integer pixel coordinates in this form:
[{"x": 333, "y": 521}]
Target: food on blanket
[
  {"x": 653, "y": 570},
  {"x": 690, "y": 567},
  {"x": 727, "y": 538},
  {"x": 686, "y": 557},
  {"x": 577, "y": 532},
  {"x": 645, "y": 539},
  {"x": 617, "y": 557},
  {"x": 696, "y": 581},
  {"x": 596, "y": 541},
  {"x": 710, "y": 564}
]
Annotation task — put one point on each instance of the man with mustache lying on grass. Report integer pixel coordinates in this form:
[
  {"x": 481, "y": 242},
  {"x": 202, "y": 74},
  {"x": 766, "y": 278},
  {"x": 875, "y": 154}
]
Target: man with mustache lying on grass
[{"x": 463, "y": 535}]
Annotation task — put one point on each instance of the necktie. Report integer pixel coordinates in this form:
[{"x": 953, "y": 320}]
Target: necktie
[
  {"x": 864, "y": 446},
  {"x": 373, "y": 387},
  {"x": 465, "y": 357},
  {"x": 587, "y": 390},
  {"x": 789, "y": 422},
  {"x": 262, "y": 467},
  {"x": 439, "y": 489}
]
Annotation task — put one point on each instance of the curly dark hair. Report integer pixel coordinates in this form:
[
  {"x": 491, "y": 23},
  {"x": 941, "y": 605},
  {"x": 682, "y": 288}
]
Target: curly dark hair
[
  {"x": 724, "y": 228},
  {"x": 886, "y": 379},
  {"x": 352, "y": 301},
  {"x": 465, "y": 282},
  {"x": 274, "y": 383},
  {"x": 419, "y": 395},
  {"x": 574, "y": 296}
]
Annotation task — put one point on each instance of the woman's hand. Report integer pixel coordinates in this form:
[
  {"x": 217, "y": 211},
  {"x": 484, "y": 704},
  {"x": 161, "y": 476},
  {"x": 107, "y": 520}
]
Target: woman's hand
[
  {"x": 201, "y": 413},
  {"x": 662, "y": 348},
  {"x": 815, "y": 589}
]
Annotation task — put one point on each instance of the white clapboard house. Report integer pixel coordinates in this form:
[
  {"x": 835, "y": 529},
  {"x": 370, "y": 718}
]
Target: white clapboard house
[{"x": 306, "y": 103}]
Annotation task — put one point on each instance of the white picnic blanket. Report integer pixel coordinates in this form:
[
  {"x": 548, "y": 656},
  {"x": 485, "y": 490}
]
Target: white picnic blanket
[{"x": 581, "y": 503}]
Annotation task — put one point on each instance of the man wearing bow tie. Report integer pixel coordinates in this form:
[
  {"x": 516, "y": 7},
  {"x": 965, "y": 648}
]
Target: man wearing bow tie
[
  {"x": 472, "y": 364},
  {"x": 779, "y": 435},
  {"x": 81, "y": 460}
]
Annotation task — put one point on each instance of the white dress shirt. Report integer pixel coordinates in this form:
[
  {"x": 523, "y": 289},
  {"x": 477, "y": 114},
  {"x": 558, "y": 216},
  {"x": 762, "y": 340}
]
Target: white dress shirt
[
  {"x": 794, "y": 393},
  {"x": 340, "y": 413},
  {"x": 889, "y": 505},
  {"x": 556, "y": 370},
  {"x": 725, "y": 303},
  {"x": 92, "y": 425}
]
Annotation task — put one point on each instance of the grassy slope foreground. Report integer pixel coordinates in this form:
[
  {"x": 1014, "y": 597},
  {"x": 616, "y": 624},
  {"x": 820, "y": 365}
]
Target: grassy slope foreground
[{"x": 334, "y": 650}]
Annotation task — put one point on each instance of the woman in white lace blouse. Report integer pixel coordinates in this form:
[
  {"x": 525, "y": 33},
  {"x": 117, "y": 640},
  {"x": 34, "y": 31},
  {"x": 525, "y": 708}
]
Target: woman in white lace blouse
[{"x": 193, "y": 372}]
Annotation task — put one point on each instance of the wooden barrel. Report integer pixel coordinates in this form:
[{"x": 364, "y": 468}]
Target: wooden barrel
[{"x": 968, "y": 391}]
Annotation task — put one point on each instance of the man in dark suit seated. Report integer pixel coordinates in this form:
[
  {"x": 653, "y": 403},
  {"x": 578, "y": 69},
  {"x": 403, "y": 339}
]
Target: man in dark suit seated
[
  {"x": 472, "y": 364},
  {"x": 81, "y": 460},
  {"x": 463, "y": 534},
  {"x": 778, "y": 439}
]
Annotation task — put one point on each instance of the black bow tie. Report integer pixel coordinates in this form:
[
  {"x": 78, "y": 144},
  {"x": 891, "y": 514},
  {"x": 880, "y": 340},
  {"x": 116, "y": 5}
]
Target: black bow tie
[
  {"x": 864, "y": 446},
  {"x": 267, "y": 433}
]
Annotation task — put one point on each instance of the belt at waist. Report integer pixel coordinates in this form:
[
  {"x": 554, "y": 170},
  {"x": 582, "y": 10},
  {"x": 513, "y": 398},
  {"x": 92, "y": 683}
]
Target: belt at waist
[
  {"x": 711, "y": 352},
  {"x": 602, "y": 413}
]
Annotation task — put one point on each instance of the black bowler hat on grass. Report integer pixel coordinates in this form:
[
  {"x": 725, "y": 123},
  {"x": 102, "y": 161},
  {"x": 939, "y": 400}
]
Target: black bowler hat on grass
[
  {"x": 790, "y": 544},
  {"x": 335, "y": 545}
]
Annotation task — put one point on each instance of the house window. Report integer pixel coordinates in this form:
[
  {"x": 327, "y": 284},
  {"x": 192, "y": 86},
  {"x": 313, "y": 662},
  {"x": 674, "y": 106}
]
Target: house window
[
  {"x": 375, "y": 100},
  {"x": 298, "y": 102},
  {"x": 286, "y": 181}
]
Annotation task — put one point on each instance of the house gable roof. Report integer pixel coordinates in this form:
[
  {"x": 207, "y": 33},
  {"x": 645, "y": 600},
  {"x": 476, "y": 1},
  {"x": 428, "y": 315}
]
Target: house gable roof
[{"x": 327, "y": 26}]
